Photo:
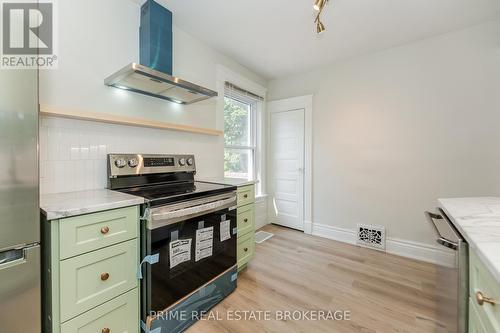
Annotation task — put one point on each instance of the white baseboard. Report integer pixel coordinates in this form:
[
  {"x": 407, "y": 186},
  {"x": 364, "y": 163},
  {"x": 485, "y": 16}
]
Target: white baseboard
[
  {"x": 420, "y": 251},
  {"x": 308, "y": 227},
  {"x": 338, "y": 234},
  {"x": 400, "y": 247}
]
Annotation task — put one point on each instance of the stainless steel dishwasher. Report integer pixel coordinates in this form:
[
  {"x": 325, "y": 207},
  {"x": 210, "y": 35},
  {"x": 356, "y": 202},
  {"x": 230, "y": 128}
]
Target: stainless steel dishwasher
[{"x": 453, "y": 280}]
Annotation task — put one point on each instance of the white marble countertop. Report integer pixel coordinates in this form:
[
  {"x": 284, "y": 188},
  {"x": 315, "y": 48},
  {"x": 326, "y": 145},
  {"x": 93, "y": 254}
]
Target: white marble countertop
[
  {"x": 478, "y": 220},
  {"x": 228, "y": 181},
  {"x": 60, "y": 205}
]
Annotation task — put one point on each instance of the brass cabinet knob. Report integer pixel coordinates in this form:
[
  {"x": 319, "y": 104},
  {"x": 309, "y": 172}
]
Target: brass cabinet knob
[
  {"x": 245, "y": 249},
  {"x": 245, "y": 196},
  {"x": 104, "y": 276},
  {"x": 106, "y": 330},
  {"x": 104, "y": 230},
  {"x": 481, "y": 299},
  {"x": 245, "y": 220}
]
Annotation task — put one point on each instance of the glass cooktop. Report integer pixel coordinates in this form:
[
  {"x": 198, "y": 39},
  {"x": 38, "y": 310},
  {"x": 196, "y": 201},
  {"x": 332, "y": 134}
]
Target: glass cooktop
[{"x": 173, "y": 192}]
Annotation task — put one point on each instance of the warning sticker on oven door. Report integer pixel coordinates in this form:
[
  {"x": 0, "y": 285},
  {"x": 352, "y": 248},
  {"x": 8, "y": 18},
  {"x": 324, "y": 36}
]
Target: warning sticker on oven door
[
  {"x": 180, "y": 251},
  {"x": 204, "y": 243},
  {"x": 225, "y": 232}
]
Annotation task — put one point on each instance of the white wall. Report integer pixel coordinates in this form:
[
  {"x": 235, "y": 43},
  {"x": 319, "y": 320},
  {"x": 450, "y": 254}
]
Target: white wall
[
  {"x": 396, "y": 130},
  {"x": 96, "y": 38}
]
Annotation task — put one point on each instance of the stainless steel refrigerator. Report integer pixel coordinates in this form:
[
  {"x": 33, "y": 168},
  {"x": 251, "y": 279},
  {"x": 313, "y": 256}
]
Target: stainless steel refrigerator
[{"x": 19, "y": 208}]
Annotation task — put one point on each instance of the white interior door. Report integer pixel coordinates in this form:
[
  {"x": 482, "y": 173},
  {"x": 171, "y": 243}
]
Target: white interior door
[{"x": 286, "y": 168}]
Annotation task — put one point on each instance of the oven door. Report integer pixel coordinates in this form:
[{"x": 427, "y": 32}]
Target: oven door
[{"x": 189, "y": 226}]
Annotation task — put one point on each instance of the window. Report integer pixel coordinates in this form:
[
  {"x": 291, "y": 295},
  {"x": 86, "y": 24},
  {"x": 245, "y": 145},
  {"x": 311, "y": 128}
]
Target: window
[{"x": 240, "y": 133}]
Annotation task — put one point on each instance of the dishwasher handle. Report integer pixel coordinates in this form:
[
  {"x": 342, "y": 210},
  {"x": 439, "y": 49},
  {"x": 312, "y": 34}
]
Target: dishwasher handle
[{"x": 432, "y": 218}]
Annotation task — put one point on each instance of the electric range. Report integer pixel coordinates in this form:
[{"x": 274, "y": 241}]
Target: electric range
[{"x": 188, "y": 237}]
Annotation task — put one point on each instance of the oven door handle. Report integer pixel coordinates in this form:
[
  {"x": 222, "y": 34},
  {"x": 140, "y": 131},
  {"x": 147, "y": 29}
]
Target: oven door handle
[
  {"x": 161, "y": 216},
  {"x": 432, "y": 217}
]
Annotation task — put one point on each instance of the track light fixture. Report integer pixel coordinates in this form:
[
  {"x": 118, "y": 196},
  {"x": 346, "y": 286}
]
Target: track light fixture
[
  {"x": 320, "y": 27},
  {"x": 319, "y": 5}
]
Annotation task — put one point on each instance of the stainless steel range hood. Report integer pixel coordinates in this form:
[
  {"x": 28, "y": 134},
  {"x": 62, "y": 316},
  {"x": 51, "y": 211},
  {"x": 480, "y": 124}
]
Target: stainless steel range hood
[
  {"x": 153, "y": 76},
  {"x": 147, "y": 81}
]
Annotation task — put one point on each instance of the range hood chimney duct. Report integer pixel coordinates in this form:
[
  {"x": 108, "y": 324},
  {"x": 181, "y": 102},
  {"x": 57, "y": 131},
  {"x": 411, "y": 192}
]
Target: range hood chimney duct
[{"x": 156, "y": 37}]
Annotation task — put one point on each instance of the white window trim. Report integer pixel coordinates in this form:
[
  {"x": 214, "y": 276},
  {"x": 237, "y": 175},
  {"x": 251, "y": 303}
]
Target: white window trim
[{"x": 225, "y": 74}]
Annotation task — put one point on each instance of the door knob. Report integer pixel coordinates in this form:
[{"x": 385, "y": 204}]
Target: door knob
[
  {"x": 104, "y": 276},
  {"x": 104, "y": 230}
]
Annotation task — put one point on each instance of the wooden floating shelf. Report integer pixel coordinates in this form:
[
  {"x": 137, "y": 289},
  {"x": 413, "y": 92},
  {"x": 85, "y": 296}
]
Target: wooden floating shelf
[{"x": 124, "y": 120}]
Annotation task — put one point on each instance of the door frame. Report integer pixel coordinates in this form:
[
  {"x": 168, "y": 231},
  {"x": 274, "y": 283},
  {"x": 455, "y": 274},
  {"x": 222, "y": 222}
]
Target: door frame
[{"x": 297, "y": 103}]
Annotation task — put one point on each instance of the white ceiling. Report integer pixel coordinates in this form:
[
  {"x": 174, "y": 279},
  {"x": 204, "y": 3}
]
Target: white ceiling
[{"x": 277, "y": 38}]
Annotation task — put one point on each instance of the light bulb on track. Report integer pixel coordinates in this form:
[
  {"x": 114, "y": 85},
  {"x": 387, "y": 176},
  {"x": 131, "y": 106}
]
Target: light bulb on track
[
  {"x": 320, "y": 27},
  {"x": 319, "y": 4}
]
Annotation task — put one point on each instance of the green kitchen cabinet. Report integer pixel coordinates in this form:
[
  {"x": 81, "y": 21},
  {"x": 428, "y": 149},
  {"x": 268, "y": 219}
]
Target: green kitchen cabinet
[
  {"x": 484, "y": 298},
  {"x": 245, "y": 195},
  {"x": 89, "y": 272},
  {"x": 117, "y": 315},
  {"x": 475, "y": 323},
  {"x": 245, "y": 219},
  {"x": 91, "y": 232},
  {"x": 246, "y": 225},
  {"x": 246, "y": 249}
]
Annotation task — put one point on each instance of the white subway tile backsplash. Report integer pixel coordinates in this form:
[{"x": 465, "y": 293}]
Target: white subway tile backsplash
[
  {"x": 52, "y": 145},
  {"x": 103, "y": 151},
  {"x": 79, "y": 174},
  {"x": 93, "y": 151},
  {"x": 43, "y": 144},
  {"x": 84, "y": 153},
  {"x": 43, "y": 169},
  {"x": 73, "y": 152}
]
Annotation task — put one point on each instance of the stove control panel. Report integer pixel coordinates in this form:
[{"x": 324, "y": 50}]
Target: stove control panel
[
  {"x": 151, "y": 162},
  {"x": 141, "y": 164}
]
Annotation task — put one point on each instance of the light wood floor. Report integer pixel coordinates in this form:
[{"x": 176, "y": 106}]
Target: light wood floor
[{"x": 294, "y": 271}]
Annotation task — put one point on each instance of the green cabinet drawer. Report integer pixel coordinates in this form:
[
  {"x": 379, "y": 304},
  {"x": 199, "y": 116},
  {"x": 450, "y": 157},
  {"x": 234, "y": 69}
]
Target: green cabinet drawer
[
  {"x": 245, "y": 249},
  {"x": 482, "y": 282},
  {"x": 92, "y": 279},
  {"x": 245, "y": 195},
  {"x": 475, "y": 323},
  {"x": 120, "y": 315},
  {"x": 91, "y": 232},
  {"x": 245, "y": 219}
]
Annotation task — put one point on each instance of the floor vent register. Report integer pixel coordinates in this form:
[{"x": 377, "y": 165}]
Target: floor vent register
[
  {"x": 371, "y": 236},
  {"x": 262, "y": 236}
]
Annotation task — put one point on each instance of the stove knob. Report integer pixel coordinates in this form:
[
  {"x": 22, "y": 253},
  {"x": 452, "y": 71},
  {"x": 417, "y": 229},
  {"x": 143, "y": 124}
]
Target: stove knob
[
  {"x": 120, "y": 163},
  {"x": 182, "y": 161},
  {"x": 190, "y": 161},
  {"x": 133, "y": 162}
]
